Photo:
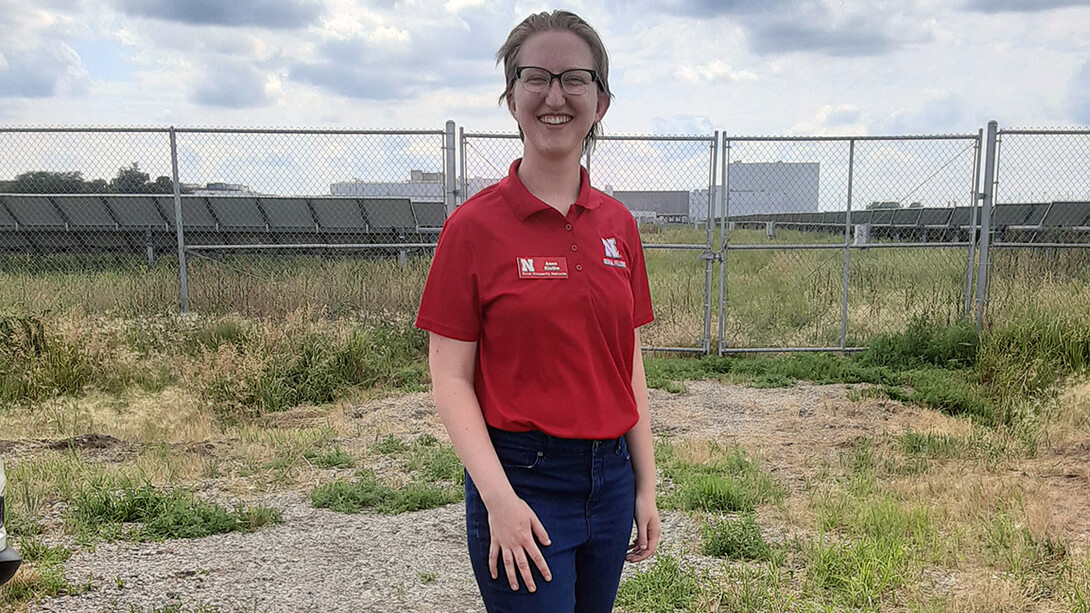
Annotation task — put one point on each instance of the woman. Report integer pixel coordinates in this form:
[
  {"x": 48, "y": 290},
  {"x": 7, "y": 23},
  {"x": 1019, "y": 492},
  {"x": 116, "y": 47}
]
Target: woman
[{"x": 533, "y": 304}]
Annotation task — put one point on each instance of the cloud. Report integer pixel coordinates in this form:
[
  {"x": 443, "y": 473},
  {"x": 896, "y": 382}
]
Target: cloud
[
  {"x": 782, "y": 37},
  {"x": 276, "y": 14},
  {"x": 718, "y": 8},
  {"x": 841, "y": 120},
  {"x": 51, "y": 69},
  {"x": 1003, "y": 6},
  {"x": 391, "y": 63},
  {"x": 233, "y": 85},
  {"x": 828, "y": 28},
  {"x": 937, "y": 113},
  {"x": 714, "y": 71},
  {"x": 1079, "y": 94}
]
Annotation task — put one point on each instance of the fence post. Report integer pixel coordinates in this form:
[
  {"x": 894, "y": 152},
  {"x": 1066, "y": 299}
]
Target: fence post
[
  {"x": 975, "y": 191},
  {"x": 450, "y": 195},
  {"x": 712, "y": 254},
  {"x": 983, "y": 268},
  {"x": 462, "y": 164},
  {"x": 847, "y": 246},
  {"x": 183, "y": 273},
  {"x": 724, "y": 243}
]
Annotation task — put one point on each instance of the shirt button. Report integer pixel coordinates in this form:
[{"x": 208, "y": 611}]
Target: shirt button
[
  {"x": 579, "y": 267},
  {"x": 567, "y": 227},
  {"x": 574, "y": 248}
]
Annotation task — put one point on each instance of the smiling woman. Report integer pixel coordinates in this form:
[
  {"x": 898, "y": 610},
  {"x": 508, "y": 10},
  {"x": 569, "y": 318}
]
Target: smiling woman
[{"x": 534, "y": 301}]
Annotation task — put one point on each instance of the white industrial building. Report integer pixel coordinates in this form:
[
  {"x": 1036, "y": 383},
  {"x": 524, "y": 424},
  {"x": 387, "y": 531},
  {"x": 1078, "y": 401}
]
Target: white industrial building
[{"x": 763, "y": 187}]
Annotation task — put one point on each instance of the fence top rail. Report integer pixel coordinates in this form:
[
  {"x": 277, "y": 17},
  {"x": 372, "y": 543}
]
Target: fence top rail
[
  {"x": 636, "y": 137},
  {"x": 728, "y": 139},
  {"x": 167, "y": 130},
  {"x": 1072, "y": 132}
]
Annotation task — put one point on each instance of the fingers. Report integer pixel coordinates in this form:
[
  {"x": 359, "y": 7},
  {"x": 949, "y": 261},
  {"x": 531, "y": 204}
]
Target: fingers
[
  {"x": 493, "y": 554},
  {"x": 515, "y": 564},
  {"x": 539, "y": 530}
]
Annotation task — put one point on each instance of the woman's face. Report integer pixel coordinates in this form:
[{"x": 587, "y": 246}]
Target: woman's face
[{"x": 553, "y": 122}]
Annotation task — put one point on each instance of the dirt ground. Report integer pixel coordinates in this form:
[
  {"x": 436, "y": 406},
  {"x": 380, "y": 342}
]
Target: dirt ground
[{"x": 793, "y": 432}]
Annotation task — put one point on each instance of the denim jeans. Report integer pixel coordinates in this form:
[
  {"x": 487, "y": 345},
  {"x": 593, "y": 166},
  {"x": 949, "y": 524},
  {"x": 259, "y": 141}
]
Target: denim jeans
[{"x": 583, "y": 491}]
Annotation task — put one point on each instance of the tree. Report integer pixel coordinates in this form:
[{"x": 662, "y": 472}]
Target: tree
[
  {"x": 130, "y": 180},
  {"x": 47, "y": 182}
]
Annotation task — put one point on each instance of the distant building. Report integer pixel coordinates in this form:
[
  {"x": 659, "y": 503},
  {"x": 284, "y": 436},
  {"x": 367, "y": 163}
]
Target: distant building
[
  {"x": 665, "y": 206},
  {"x": 422, "y": 186},
  {"x": 763, "y": 187},
  {"x": 219, "y": 189}
]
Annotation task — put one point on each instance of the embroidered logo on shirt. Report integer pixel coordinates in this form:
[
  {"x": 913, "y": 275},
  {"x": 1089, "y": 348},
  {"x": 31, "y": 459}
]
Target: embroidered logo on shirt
[
  {"x": 610, "y": 245},
  {"x": 613, "y": 255},
  {"x": 541, "y": 267}
]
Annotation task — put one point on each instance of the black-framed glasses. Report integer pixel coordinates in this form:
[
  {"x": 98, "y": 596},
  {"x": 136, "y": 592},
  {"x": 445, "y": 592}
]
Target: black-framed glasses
[{"x": 574, "y": 82}]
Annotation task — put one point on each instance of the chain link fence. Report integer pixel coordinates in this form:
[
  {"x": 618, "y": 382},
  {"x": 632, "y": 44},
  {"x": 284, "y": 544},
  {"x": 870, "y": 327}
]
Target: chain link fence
[
  {"x": 666, "y": 182},
  {"x": 274, "y": 221},
  {"x": 827, "y": 241},
  {"x": 1040, "y": 224},
  {"x": 821, "y": 242}
]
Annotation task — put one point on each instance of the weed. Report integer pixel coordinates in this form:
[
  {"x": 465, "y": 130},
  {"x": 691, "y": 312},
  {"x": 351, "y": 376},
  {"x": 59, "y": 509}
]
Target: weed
[
  {"x": 427, "y": 577},
  {"x": 367, "y": 492},
  {"x": 334, "y": 458},
  {"x": 718, "y": 479},
  {"x": 665, "y": 587},
  {"x": 856, "y": 573},
  {"x": 734, "y": 539},
  {"x": 143, "y": 512}
]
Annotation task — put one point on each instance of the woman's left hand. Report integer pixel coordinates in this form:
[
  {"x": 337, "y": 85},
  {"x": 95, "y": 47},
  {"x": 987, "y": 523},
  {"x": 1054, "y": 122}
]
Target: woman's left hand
[{"x": 648, "y": 529}]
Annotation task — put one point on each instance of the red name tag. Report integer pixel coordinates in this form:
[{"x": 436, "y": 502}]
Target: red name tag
[{"x": 541, "y": 267}]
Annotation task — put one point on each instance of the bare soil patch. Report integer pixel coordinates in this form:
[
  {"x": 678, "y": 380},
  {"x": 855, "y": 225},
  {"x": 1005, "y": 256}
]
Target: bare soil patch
[{"x": 319, "y": 560}]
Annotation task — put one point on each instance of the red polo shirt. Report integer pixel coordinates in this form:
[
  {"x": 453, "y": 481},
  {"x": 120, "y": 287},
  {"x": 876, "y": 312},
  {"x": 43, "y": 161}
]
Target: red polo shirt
[{"x": 552, "y": 302}]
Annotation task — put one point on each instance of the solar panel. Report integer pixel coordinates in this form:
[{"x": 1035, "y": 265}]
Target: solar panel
[
  {"x": 137, "y": 211},
  {"x": 906, "y": 217},
  {"x": 194, "y": 212},
  {"x": 34, "y": 211},
  {"x": 861, "y": 217},
  {"x": 6, "y": 220},
  {"x": 962, "y": 216},
  {"x": 339, "y": 214},
  {"x": 236, "y": 212},
  {"x": 288, "y": 214},
  {"x": 388, "y": 213},
  {"x": 1067, "y": 214},
  {"x": 85, "y": 211},
  {"x": 882, "y": 217},
  {"x": 430, "y": 214},
  {"x": 935, "y": 217},
  {"x": 1011, "y": 214},
  {"x": 13, "y": 241},
  {"x": 1037, "y": 215}
]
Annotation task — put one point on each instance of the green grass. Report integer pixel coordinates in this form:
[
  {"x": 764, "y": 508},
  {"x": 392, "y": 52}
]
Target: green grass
[
  {"x": 723, "y": 480},
  {"x": 665, "y": 587},
  {"x": 435, "y": 474},
  {"x": 734, "y": 538},
  {"x": 366, "y": 491},
  {"x": 142, "y": 512}
]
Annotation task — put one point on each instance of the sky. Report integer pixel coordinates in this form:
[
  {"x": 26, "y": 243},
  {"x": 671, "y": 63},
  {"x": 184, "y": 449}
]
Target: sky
[{"x": 744, "y": 67}]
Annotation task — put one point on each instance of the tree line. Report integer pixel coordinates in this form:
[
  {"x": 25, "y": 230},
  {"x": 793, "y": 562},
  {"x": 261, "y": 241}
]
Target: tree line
[{"x": 129, "y": 180}]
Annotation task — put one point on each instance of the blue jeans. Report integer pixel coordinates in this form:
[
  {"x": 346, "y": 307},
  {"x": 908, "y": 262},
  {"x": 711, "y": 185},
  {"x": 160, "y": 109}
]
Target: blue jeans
[{"x": 584, "y": 493}]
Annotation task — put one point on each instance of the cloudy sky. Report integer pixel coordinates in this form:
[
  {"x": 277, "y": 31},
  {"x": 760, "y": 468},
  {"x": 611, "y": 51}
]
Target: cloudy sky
[{"x": 775, "y": 67}]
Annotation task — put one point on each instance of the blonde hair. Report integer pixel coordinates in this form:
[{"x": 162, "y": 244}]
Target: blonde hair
[{"x": 562, "y": 21}]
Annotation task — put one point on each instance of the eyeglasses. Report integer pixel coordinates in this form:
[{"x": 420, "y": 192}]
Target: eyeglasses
[{"x": 574, "y": 82}]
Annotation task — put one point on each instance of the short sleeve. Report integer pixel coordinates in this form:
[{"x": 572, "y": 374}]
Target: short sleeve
[
  {"x": 642, "y": 313},
  {"x": 450, "y": 305}
]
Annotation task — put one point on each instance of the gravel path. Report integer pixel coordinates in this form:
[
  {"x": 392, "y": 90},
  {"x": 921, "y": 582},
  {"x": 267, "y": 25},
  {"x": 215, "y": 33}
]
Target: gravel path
[
  {"x": 320, "y": 560},
  {"x": 317, "y": 560}
]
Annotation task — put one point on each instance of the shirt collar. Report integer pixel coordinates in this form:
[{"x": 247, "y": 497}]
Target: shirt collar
[{"x": 524, "y": 204}]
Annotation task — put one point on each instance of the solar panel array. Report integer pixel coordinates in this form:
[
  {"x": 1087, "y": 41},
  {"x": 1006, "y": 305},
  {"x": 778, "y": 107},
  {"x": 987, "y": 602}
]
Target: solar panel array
[
  {"x": 81, "y": 223},
  {"x": 1021, "y": 223}
]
